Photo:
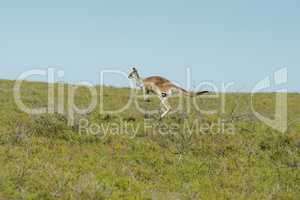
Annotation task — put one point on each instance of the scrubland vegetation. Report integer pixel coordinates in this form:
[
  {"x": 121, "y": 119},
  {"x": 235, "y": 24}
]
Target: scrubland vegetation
[{"x": 132, "y": 155}]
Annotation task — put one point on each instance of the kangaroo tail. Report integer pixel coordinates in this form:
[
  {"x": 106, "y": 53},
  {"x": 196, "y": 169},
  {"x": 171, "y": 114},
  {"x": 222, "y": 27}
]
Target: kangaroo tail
[
  {"x": 202, "y": 92},
  {"x": 191, "y": 94}
]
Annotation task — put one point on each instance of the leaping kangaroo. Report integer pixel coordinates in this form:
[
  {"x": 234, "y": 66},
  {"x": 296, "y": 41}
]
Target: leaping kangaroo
[{"x": 161, "y": 87}]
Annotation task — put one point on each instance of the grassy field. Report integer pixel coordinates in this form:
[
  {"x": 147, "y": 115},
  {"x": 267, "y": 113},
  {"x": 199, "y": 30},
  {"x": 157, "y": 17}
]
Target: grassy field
[{"x": 136, "y": 156}]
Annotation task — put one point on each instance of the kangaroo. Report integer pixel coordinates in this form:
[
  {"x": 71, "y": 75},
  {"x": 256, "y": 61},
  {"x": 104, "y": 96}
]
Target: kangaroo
[{"x": 161, "y": 87}]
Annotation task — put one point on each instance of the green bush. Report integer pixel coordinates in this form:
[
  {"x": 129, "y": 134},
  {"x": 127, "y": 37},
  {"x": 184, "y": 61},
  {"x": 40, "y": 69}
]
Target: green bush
[{"x": 41, "y": 157}]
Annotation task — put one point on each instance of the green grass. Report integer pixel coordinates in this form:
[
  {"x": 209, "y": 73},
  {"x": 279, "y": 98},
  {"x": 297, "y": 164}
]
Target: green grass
[{"x": 41, "y": 157}]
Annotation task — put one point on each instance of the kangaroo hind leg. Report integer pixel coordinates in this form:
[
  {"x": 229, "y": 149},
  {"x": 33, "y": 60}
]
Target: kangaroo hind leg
[{"x": 165, "y": 105}]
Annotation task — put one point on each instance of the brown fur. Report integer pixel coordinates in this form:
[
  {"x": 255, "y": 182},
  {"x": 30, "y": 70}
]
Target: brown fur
[{"x": 157, "y": 85}]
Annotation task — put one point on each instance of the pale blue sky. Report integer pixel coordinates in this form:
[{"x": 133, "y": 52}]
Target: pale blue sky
[{"x": 221, "y": 41}]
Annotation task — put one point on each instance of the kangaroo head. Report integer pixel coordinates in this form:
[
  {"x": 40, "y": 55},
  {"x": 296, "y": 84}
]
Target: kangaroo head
[{"x": 133, "y": 74}]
